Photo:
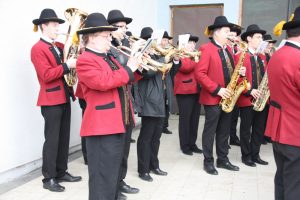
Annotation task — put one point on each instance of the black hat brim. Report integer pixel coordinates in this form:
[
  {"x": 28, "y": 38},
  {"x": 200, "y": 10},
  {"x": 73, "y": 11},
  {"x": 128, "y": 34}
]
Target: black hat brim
[
  {"x": 96, "y": 29},
  {"x": 247, "y": 33},
  {"x": 45, "y": 20},
  {"x": 214, "y": 26},
  {"x": 127, "y": 20},
  {"x": 193, "y": 38},
  {"x": 291, "y": 25},
  {"x": 271, "y": 41}
]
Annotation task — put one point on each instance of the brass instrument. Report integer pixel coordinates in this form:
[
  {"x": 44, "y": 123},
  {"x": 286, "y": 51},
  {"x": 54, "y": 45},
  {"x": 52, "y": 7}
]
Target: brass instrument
[
  {"x": 146, "y": 62},
  {"x": 260, "y": 103},
  {"x": 76, "y": 20},
  {"x": 236, "y": 89}
]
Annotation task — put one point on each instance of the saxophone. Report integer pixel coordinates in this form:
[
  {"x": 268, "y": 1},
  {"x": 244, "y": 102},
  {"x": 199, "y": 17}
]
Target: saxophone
[
  {"x": 236, "y": 89},
  {"x": 76, "y": 20},
  {"x": 260, "y": 103}
]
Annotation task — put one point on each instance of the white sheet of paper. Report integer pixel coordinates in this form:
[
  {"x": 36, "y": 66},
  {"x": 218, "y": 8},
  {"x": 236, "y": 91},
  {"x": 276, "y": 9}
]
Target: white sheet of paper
[
  {"x": 183, "y": 40},
  {"x": 262, "y": 46},
  {"x": 157, "y": 35}
]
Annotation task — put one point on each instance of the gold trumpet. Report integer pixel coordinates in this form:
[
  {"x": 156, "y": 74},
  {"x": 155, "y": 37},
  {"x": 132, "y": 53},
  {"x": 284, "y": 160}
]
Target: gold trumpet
[{"x": 146, "y": 62}]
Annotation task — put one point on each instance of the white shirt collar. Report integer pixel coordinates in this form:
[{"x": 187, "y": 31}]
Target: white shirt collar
[
  {"x": 293, "y": 42},
  {"x": 223, "y": 46},
  {"x": 95, "y": 50},
  {"x": 47, "y": 39},
  {"x": 251, "y": 50}
]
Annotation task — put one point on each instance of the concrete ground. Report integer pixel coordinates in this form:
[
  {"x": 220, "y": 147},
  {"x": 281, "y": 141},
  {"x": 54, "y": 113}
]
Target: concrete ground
[{"x": 186, "y": 179}]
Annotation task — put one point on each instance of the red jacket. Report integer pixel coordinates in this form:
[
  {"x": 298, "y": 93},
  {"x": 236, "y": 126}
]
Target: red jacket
[
  {"x": 249, "y": 62},
  {"x": 99, "y": 83},
  {"x": 210, "y": 72},
  {"x": 50, "y": 71},
  {"x": 184, "y": 80},
  {"x": 284, "y": 83}
]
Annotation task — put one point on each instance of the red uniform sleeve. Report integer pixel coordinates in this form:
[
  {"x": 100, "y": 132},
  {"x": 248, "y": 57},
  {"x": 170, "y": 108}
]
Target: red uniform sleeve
[
  {"x": 201, "y": 71},
  {"x": 44, "y": 69},
  {"x": 98, "y": 77},
  {"x": 297, "y": 78}
]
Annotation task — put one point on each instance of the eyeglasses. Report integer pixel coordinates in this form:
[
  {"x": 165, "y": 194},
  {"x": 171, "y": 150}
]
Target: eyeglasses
[
  {"x": 105, "y": 36},
  {"x": 122, "y": 27},
  {"x": 258, "y": 37}
]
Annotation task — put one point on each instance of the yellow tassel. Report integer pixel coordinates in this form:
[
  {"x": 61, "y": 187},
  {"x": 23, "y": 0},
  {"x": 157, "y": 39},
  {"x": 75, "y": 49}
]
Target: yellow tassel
[
  {"x": 75, "y": 39},
  {"x": 35, "y": 28},
  {"x": 207, "y": 32},
  {"x": 291, "y": 17},
  {"x": 277, "y": 30}
]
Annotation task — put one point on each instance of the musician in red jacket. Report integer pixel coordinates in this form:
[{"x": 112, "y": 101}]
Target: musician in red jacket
[
  {"x": 187, "y": 92},
  {"x": 251, "y": 119},
  {"x": 213, "y": 72},
  {"x": 108, "y": 109},
  {"x": 284, "y": 115},
  {"x": 54, "y": 99}
]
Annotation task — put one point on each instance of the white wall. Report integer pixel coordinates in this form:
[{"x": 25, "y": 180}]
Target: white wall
[{"x": 21, "y": 123}]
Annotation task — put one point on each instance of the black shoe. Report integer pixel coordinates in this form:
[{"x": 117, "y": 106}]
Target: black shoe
[
  {"x": 235, "y": 142},
  {"x": 146, "y": 177},
  {"x": 69, "y": 178},
  {"x": 187, "y": 152},
  {"x": 195, "y": 149},
  {"x": 53, "y": 185},
  {"x": 167, "y": 131},
  {"x": 127, "y": 189},
  {"x": 122, "y": 196},
  {"x": 249, "y": 163},
  {"x": 210, "y": 169},
  {"x": 260, "y": 161},
  {"x": 159, "y": 172},
  {"x": 132, "y": 140},
  {"x": 227, "y": 165}
]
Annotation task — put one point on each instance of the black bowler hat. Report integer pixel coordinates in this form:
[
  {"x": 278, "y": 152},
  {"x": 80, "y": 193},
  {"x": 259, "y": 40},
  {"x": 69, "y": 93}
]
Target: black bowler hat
[
  {"x": 268, "y": 38},
  {"x": 220, "y": 21},
  {"x": 295, "y": 22},
  {"x": 96, "y": 22},
  {"x": 47, "y": 15},
  {"x": 146, "y": 33},
  {"x": 251, "y": 29},
  {"x": 166, "y": 35},
  {"x": 117, "y": 16},
  {"x": 193, "y": 38},
  {"x": 237, "y": 29}
]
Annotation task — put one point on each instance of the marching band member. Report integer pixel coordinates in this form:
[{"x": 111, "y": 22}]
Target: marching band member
[
  {"x": 117, "y": 19},
  {"x": 251, "y": 119},
  {"x": 168, "y": 99},
  {"x": 283, "y": 121},
  {"x": 150, "y": 98},
  {"x": 187, "y": 92},
  {"x": 109, "y": 108},
  {"x": 213, "y": 72},
  {"x": 54, "y": 99},
  {"x": 270, "y": 48},
  {"x": 235, "y": 32}
]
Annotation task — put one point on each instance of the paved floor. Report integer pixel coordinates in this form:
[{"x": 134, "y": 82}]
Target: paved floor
[{"x": 186, "y": 179}]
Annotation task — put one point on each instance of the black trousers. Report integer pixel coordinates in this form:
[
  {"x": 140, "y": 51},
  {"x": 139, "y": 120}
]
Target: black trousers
[
  {"x": 217, "y": 124},
  {"x": 124, "y": 163},
  {"x": 251, "y": 140},
  {"x": 82, "y": 104},
  {"x": 287, "y": 178},
  {"x": 234, "y": 120},
  {"x": 148, "y": 143},
  {"x": 166, "y": 119},
  {"x": 189, "y": 114},
  {"x": 57, "y": 138},
  {"x": 104, "y": 155}
]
